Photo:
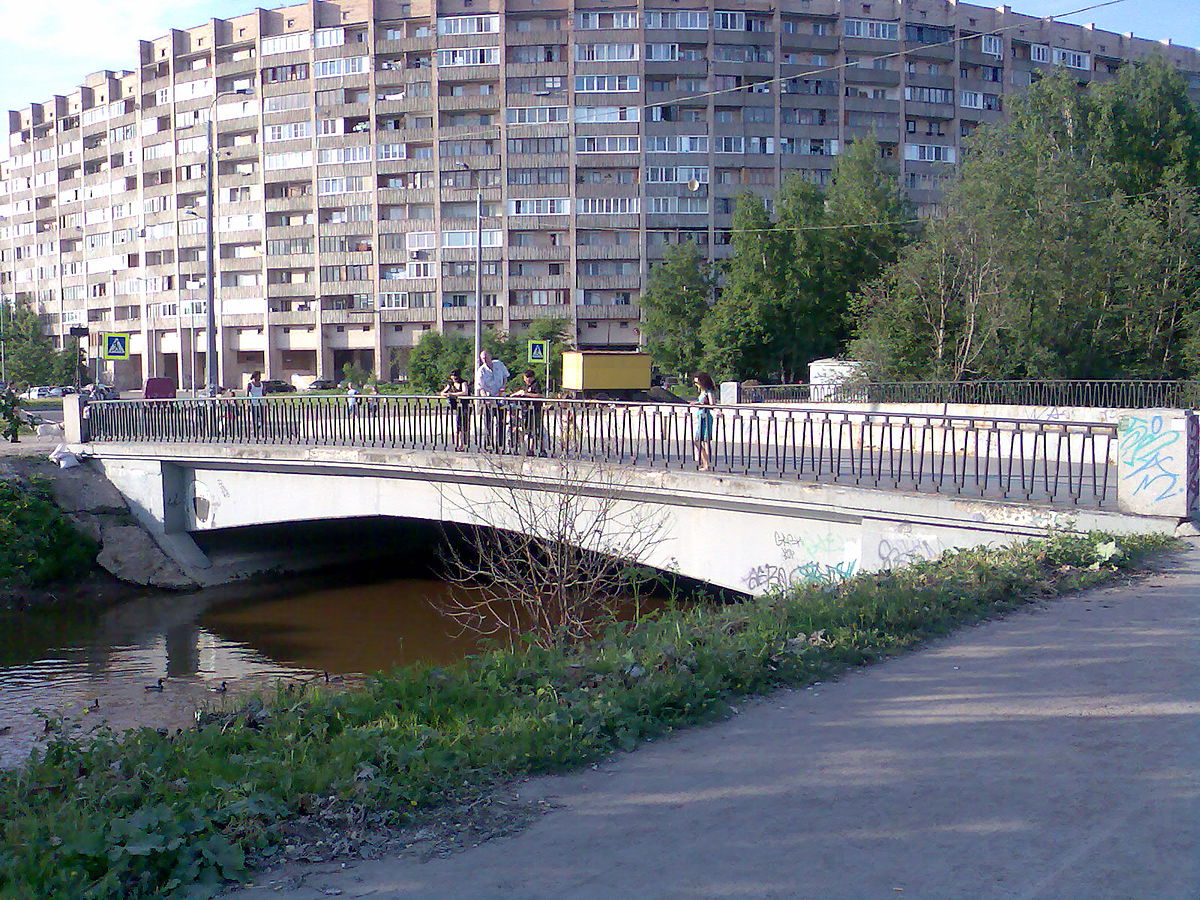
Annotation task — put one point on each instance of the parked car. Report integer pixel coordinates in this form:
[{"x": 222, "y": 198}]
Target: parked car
[
  {"x": 68, "y": 389},
  {"x": 159, "y": 389},
  {"x": 278, "y": 386},
  {"x": 323, "y": 384},
  {"x": 41, "y": 393}
]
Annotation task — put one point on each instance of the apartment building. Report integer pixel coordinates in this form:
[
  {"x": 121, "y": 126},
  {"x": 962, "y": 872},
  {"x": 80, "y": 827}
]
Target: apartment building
[{"x": 353, "y": 140}]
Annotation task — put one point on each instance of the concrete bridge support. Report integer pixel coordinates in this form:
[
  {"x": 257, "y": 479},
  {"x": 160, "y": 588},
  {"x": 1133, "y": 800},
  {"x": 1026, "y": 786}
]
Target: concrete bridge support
[{"x": 745, "y": 533}]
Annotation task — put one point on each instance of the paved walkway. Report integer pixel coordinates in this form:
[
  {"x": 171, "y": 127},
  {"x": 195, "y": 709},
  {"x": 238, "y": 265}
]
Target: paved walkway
[{"x": 1053, "y": 754}]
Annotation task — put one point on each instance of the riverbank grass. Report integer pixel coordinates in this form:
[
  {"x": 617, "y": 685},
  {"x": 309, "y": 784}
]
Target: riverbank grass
[
  {"x": 38, "y": 544},
  {"x": 146, "y": 814}
]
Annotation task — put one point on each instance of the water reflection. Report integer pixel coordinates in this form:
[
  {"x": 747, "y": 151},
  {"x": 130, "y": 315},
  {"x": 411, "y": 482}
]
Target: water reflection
[{"x": 197, "y": 641}]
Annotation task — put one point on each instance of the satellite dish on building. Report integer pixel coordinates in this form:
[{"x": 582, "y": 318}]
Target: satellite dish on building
[{"x": 693, "y": 185}]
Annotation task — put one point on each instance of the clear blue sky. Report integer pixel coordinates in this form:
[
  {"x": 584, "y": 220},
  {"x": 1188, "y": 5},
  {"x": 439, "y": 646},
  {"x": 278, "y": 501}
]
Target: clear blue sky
[{"x": 84, "y": 36}]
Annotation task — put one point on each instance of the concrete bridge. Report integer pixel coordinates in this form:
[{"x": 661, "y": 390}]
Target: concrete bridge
[{"x": 797, "y": 493}]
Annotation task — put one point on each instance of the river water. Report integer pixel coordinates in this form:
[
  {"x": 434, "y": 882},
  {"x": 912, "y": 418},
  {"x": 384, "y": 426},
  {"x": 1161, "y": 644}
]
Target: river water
[{"x": 94, "y": 670}]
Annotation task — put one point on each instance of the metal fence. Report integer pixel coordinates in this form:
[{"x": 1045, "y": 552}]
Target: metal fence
[
  {"x": 1013, "y": 459},
  {"x": 1044, "y": 394}
]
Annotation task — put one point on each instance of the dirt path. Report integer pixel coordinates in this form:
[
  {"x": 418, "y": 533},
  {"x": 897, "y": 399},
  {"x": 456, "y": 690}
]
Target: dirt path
[
  {"x": 30, "y": 445},
  {"x": 1053, "y": 754}
]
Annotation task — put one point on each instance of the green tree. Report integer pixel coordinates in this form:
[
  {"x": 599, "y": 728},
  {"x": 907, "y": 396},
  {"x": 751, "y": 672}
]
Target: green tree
[
  {"x": 809, "y": 314},
  {"x": 31, "y": 358},
  {"x": 788, "y": 290},
  {"x": 740, "y": 333},
  {"x": 866, "y": 215},
  {"x": 675, "y": 302},
  {"x": 1042, "y": 265},
  {"x": 1147, "y": 128},
  {"x": 434, "y": 356},
  {"x": 557, "y": 332}
]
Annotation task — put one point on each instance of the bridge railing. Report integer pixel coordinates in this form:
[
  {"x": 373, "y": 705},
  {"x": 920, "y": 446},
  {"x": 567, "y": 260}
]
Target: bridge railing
[
  {"x": 1018, "y": 459},
  {"x": 1093, "y": 394}
]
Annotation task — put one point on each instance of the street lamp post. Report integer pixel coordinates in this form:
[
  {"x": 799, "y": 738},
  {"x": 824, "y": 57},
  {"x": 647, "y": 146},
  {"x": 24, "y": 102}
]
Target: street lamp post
[
  {"x": 210, "y": 288},
  {"x": 478, "y": 273}
]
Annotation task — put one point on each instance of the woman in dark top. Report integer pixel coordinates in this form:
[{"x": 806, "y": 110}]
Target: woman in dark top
[{"x": 456, "y": 390}]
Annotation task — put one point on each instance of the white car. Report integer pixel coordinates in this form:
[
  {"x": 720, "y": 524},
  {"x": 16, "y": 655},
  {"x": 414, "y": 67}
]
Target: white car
[{"x": 41, "y": 393}]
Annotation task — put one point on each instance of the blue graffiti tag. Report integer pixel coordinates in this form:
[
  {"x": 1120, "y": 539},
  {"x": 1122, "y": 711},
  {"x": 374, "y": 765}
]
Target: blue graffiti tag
[{"x": 1142, "y": 451}]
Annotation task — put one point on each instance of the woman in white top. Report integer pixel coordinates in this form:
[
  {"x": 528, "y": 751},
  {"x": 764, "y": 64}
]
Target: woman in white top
[{"x": 255, "y": 391}]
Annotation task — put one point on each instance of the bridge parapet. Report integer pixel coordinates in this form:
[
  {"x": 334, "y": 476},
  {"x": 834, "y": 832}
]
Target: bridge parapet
[{"x": 1054, "y": 462}]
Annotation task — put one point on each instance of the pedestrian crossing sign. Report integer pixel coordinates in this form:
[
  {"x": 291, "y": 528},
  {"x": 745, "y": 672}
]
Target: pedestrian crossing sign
[
  {"x": 539, "y": 351},
  {"x": 115, "y": 346}
]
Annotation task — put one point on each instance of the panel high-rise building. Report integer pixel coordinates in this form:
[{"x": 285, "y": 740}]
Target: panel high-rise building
[{"x": 352, "y": 138}]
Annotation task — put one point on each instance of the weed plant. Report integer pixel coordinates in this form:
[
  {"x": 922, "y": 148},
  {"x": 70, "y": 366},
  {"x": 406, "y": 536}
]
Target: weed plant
[{"x": 145, "y": 814}]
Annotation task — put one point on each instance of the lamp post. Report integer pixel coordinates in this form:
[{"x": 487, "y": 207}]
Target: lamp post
[{"x": 210, "y": 288}]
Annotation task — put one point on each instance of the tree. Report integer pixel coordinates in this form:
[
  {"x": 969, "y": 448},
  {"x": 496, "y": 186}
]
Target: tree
[
  {"x": 550, "y": 565},
  {"x": 675, "y": 302},
  {"x": 433, "y": 357},
  {"x": 866, "y": 215},
  {"x": 1042, "y": 266},
  {"x": 1147, "y": 128},
  {"x": 557, "y": 332},
  {"x": 789, "y": 284},
  {"x": 31, "y": 358},
  {"x": 741, "y": 332},
  {"x": 809, "y": 313}
]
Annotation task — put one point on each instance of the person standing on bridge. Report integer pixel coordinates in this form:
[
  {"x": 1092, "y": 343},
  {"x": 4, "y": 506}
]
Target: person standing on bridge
[
  {"x": 531, "y": 415},
  {"x": 255, "y": 391},
  {"x": 457, "y": 391},
  {"x": 702, "y": 438},
  {"x": 491, "y": 377}
]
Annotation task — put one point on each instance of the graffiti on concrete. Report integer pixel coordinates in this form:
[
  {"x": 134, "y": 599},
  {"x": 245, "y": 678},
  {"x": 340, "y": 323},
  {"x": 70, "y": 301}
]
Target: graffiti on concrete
[
  {"x": 896, "y": 550},
  {"x": 807, "y": 545},
  {"x": 1149, "y": 453},
  {"x": 769, "y": 578}
]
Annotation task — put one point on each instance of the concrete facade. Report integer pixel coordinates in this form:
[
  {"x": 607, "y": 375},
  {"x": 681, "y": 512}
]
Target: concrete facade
[
  {"x": 744, "y": 533},
  {"x": 346, "y": 181}
]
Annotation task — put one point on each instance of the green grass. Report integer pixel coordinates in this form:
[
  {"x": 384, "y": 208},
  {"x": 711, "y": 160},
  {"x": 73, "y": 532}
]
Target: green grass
[
  {"x": 141, "y": 814},
  {"x": 38, "y": 543},
  {"x": 44, "y": 403}
]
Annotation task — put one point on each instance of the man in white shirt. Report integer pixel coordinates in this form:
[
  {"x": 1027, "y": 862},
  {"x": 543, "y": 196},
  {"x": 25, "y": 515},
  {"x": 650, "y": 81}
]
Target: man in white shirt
[{"x": 491, "y": 377}]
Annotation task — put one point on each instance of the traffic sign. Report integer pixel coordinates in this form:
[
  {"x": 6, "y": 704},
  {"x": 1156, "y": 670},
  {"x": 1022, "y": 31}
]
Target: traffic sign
[
  {"x": 115, "y": 346},
  {"x": 539, "y": 351}
]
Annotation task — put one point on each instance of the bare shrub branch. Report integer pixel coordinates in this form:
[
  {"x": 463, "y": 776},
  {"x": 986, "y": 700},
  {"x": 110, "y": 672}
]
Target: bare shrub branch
[{"x": 550, "y": 560}]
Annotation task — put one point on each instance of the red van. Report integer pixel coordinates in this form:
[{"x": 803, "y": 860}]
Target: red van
[{"x": 159, "y": 389}]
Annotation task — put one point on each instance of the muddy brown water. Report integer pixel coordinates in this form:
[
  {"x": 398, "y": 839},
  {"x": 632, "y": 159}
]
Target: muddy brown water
[{"x": 95, "y": 671}]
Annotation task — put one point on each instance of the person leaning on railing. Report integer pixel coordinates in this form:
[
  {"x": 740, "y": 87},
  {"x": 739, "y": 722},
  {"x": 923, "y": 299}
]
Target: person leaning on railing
[
  {"x": 531, "y": 414},
  {"x": 491, "y": 377},
  {"x": 457, "y": 391}
]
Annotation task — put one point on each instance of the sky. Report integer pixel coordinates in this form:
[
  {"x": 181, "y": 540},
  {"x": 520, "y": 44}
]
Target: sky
[{"x": 49, "y": 46}]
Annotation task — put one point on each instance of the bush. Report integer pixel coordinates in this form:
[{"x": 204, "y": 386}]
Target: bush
[{"x": 38, "y": 544}]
